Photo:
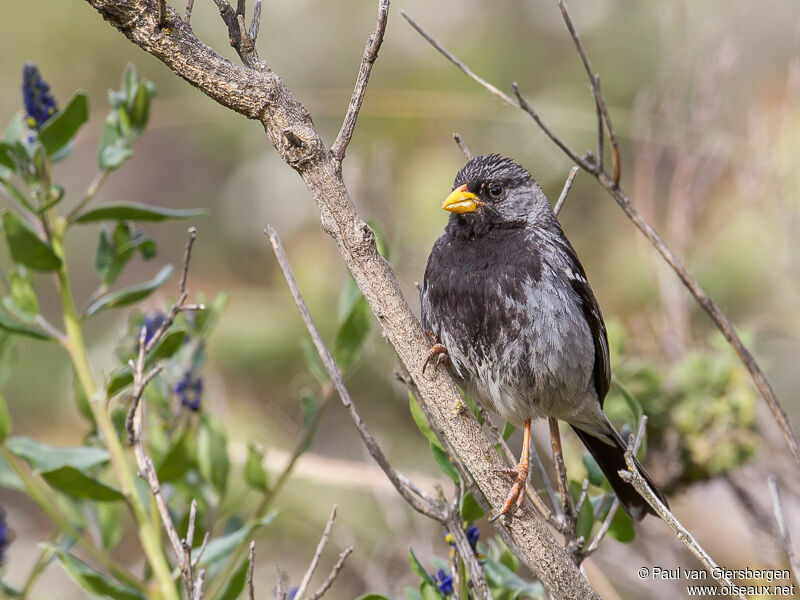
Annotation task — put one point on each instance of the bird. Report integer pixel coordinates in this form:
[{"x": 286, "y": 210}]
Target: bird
[{"x": 507, "y": 302}]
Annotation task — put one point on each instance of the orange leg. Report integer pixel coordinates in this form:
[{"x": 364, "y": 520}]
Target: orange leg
[
  {"x": 519, "y": 475},
  {"x": 437, "y": 354}
]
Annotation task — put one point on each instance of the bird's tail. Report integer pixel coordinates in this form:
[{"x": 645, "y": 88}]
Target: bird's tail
[{"x": 611, "y": 460}]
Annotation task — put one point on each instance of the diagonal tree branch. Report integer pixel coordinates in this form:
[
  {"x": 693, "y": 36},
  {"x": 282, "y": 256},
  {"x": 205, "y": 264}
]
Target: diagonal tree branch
[
  {"x": 258, "y": 93},
  {"x": 611, "y": 184}
]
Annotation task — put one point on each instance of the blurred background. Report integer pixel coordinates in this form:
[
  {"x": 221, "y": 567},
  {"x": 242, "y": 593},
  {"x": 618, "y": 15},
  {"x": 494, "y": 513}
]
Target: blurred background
[{"x": 704, "y": 97}]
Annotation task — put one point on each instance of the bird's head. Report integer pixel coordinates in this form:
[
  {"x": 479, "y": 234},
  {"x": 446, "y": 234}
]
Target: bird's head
[{"x": 492, "y": 190}]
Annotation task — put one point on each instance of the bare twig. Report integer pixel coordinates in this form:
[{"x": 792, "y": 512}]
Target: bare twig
[
  {"x": 612, "y": 511},
  {"x": 480, "y": 588},
  {"x": 422, "y": 504},
  {"x": 251, "y": 590},
  {"x": 602, "y": 109},
  {"x": 782, "y": 530},
  {"x": 609, "y": 183},
  {"x": 326, "y": 534},
  {"x": 91, "y": 191},
  {"x": 187, "y": 15},
  {"x": 635, "y": 478},
  {"x": 374, "y": 42},
  {"x": 332, "y": 575},
  {"x": 463, "y": 145},
  {"x": 162, "y": 13},
  {"x": 256, "y": 22},
  {"x": 198, "y": 588},
  {"x": 565, "y": 190}
]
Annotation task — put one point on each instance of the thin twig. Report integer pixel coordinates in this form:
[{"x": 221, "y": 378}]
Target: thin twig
[
  {"x": 635, "y": 478},
  {"x": 162, "y": 13},
  {"x": 326, "y": 534},
  {"x": 451, "y": 57},
  {"x": 198, "y": 588},
  {"x": 251, "y": 590},
  {"x": 187, "y": 15},
  {"x": 463, "y": 145},
  {"x": 612, "y": 511},
  {"x": 256, "y": 22},
  {"x": 612, "y": 187},
  {"x": 374, "y": 42},
  {"x": 782, "y": 530},
  {"x": 480, "y": 589},
  {"x": 565, "y": 190},
  {"x": 332, "y": 575},
  {"x": 91, "y": 191},
  {"x": 423, "y": 505},
  {"x": 602, "y": 109}
]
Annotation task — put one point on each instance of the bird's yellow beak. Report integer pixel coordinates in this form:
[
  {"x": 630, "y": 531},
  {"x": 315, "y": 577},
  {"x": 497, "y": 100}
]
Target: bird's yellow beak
[{"x": 461, "y": 201}]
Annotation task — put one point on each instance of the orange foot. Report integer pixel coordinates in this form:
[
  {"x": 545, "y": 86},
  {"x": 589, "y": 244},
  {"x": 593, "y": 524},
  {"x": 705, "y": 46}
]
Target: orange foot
[
  {"x": 437, "y": 352},
  {"x": 516, "y": 494}
]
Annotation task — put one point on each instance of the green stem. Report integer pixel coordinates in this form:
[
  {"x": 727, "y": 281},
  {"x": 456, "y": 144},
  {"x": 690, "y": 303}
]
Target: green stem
[
  {"x": 38, "y": 491},
  {"x": 77, "y": 350},
  {"x": 39, "y": 567},
  {"x": 91, "y": 192}
]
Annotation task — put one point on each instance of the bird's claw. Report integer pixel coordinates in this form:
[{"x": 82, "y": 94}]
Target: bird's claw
[
  {"x": 437, "y": 352},
  {"x": 516, "y": 494}
]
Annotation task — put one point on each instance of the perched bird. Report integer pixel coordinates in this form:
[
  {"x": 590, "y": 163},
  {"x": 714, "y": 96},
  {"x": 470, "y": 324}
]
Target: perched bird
[{"x": 507, "y": 300}]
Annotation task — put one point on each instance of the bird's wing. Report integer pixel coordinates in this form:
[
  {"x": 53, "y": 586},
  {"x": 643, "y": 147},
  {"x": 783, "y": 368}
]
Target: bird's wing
[{"x": 594, "y": 318}]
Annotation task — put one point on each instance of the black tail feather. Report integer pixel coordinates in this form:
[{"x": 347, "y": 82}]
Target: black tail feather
[{"x": 611, "y": 460}]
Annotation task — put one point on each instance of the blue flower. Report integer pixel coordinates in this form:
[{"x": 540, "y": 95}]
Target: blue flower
[
  {"x": 445, "y": 582},
  {"x": 39, "y": 103},
  {"x": 291, "y": 593},
  {"x": 190, "y": 390},
  {"x": 5, "y": 535},
  {"x": 151, "y": 324},
  {"x": 473, "y": 534}
]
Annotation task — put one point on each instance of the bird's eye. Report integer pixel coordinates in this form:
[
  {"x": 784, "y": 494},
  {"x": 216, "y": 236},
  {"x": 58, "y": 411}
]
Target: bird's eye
[{"x": 495, "y": 190}]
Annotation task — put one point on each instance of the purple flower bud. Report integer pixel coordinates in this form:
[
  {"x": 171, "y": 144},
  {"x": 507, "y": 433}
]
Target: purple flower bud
[{"x": 39, "y": 103}]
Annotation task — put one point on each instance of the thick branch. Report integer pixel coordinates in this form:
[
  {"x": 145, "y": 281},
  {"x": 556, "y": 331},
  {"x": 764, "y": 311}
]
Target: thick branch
[{"x": 262, "y": 95}]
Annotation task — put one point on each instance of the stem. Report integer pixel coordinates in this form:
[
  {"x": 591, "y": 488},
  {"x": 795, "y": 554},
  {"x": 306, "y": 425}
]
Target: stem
[
  {"x": 77, "y": 351},
  {"x": 91, "y": 192},
  {"x": 39, "y": 567},
  {"x": 39, "y": 492}
]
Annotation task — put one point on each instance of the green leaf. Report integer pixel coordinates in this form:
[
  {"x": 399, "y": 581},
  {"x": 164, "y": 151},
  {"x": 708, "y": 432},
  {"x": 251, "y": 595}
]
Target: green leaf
[
  {"x": 422, "y": 422},
  {"x": 72, "y": 482},
  {"x": 352, "y": 334},
  {"x": 134, "y": 211},
  {"x": 42, "y": 457},
  {"x": 140, "y": 110},
  {"x": 254, "y": 473},
  {"x": 220, "y": 547},
  {"x": 113, "y": 150},
  {"x": 6, "y": 591},
  {"x": 96, "y": 583},
  {"x": 59, "y": 129},
  {"x": 169, "y": 344},
  {"x": 131, "y": 294},
  {"x": 119, "y": 380},
  {"x": 23, "y": 294},
  {"x": 8, "y": 355},
  {"x": 5, "y": 420},
  {"x": 470, "y": 509},
  {"x": 16, "y": 127},
  {"x": 235, "y": 585},
  {"x": 110, "y": 524},
  {"x": 595, "y": 475},
  {"x": 25, "y": 245},
  {"x": 6, "y": 153},
  {"x": 445, "y": 464},
  {"x": 212, "y": 452},
  {"x": 417, "y": 567},
  {"x": 10, "y": 325},
  {"x": 499, "y": 575},
  {"x": 508, "y": 431},
  {"x": 622, "y": 527},
  {"x": 585, "y": 522},
  {"x": 177, "y": 461}
]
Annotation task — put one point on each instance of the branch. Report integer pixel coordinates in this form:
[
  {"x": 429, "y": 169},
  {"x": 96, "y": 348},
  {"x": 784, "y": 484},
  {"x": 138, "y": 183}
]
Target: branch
[
  {"x": 565, "y": 190},
  {"x": 418, "y": 501},
  {"x": 374, "y": 42},
  {"x": 301, "y": 589},
  {"x": 333, "y": 575},
  {"x": 463, "y": 145},
  {"x": 635, "y": 478},
  {"x": 611, "y": 186},
  {"x": 251, "y": 590},
  {"x": 480, "y": 589},
  {"x": 258, "y": 93},
  {"x": 782, "y": 530}
]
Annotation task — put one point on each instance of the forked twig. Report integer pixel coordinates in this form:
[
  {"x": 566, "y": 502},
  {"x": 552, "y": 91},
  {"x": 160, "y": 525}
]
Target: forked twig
[
  {"x": 374, "y": 42},
  {"x": 565, "y": 190},
  {"x": 326, "y": 534},
  {"x": 332, "y": 575}
]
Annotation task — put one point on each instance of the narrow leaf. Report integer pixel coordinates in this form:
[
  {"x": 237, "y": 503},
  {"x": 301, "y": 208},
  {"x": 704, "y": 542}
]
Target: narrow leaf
[
  {"x": 254, "y": 473},
  {"x": 235, "y": 585},
  {"x": 72, "y": 482},
  {"x": 10, "y": 325},
  {"x": 422, "y": 422},
  {"x": 5, "y": 420},
  {"x": 220, "y": 547},
  {"x": 212, "y": 453},
  {"x": 59, "y": 130},
  {"x": 131, "y": 294},
  {"x": 25, "y": 245},
  {"x": 42, "y": 457},
  {"x": 133, "y": 211},
  {"x": 94, "y": 582}
]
